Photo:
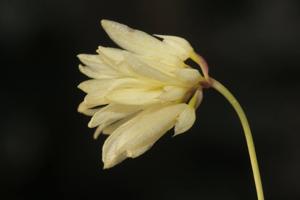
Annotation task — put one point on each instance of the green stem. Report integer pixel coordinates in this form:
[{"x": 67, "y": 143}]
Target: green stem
[{"x": 250, "y": 144}]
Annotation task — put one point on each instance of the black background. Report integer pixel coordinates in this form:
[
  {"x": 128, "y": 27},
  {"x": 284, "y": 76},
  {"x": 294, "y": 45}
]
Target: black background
[{"x": 47, "y": 151}]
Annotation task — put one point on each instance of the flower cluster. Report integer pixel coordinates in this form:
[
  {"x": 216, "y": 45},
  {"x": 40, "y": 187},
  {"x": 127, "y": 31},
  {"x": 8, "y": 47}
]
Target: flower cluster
[{"x": 137, "y": 93}]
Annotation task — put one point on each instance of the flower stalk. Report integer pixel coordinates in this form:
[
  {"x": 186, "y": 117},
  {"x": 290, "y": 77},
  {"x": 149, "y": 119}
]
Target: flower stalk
[{"x": 247, "y": 131}]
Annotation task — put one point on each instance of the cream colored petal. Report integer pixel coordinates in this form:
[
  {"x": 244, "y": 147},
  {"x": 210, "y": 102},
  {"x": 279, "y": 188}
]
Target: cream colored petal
[
  {"x": 170, "y": 60},
  {"x": 97, "y": 63},
  {"x": 94, "y": 84},
  {"x": 133, "y": 137},
  {"x": 84, "y": 109},
  {"x": 140, "y": 42},
  {"x": 98, "y": 131},
  {"x": 141, "y": 69},
  {"x": 131, "y": 39},
  {"x": 112, "y": 113},
  {"x": 104, "y": 94},
  {"x": 108, "y": 128},
  {"x": 112, "y": 127},
  {"x": 185, "y": 120},
  {"x": 115, "y": 54},
  {"x": 90, "y": 60},
  {"x": 111, "y": 84},
  {"x": 132, "y": 96},
  {"x": 181, "y": 47},
  {"x": 138, "y": 151},
  {"x": 89, "y": 72},
  {"x": 95, "y": 99},
  {"x": 199, "y": 97},
  {"x": 156, "y": 64},
  {"x": 189, "y": 75},
  {"x": 173, "y": 93},
  {"x": 96, "y": 74}
]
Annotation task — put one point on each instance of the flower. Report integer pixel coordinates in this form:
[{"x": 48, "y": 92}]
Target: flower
[{"x": 137, "y": 94}]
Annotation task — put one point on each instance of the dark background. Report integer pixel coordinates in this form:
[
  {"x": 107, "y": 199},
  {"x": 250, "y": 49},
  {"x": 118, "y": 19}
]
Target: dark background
[{"x": 47, "y": 151}]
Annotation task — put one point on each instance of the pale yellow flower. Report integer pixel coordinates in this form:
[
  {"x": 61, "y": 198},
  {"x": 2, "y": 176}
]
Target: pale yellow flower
[
  {"x": 143, "y": 90},
  {"x": 137, "y": 94}
]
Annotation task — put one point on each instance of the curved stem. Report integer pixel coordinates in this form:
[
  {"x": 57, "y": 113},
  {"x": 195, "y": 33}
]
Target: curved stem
[{"x": 250, "y": 144}]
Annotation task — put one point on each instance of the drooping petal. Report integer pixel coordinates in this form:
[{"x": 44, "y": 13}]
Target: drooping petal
[
  {"x": 138, "y": 151},
  {"x": 131, "y": 39},
  {"x": 181, "y": 47},
  {"x": 199, "y": 97},
  {"x": 140, "y": 68},
  {"x": 173, "y": 93},
  {"x": 134, "y": 96},
  {"x": 90, "y": 60},
  {"x": 112, "y": 113},
  {"x": 97, "y": 64},
  {"x": 185, "y": 120},
  {"x": 95, "y": 74},
  {"x": 96, "y": 98},
  {"x": 84, "y": 109},
  {"x": 112, "y": 127},
  {"x": 139, "y": 42},
  {"x": 100, "y": 92},
  {"x": 156, "y": 64},
  {"x": 94, "y": 84},
  {"x": 138, "y": 134},
  {"x": 189, "y": 76},
  {"x": 116, "y": 55}
]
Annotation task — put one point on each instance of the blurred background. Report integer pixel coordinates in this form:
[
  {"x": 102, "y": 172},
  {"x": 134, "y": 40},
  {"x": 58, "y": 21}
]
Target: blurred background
[{"x": 47, "y": 151}]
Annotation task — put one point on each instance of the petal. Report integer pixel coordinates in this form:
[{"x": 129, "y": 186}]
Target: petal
[
  {"x": 137, "y": 135},
  {"x": 112, "y": 113},
  {"x": 116, "y": 55},
  {"x": 139, "y": 42},
  {"x": 97, "y": 63},
  {"x": 94, "y": 84},
  {"x": 96, "y": 74},
  {"x": 84, "y": 109},
  {"x": 195, "y": 101},
  {"x": 134, "y": 96},
  {"x": 103, "y": 94},
  {"x": 173, "y": 93},
  {"x": 141, "y": 69},
  {"x": 90, "y": 60},
  {"x": 98, "y": 131},
  {"x": 181, "y": 47},
  {"x": 89, "y": 72},
  {"x": 156, "y": 64},
  {"x": 185, "y": 120},
  {"x": 199, "y": 97},
  {"x": 189, "y": 75},
  {"x": 131, "y": 39},
  {"x": 112, "y": 127},
  {"x": 96, "y": 98},
  {"x": 138, "y": 151}
]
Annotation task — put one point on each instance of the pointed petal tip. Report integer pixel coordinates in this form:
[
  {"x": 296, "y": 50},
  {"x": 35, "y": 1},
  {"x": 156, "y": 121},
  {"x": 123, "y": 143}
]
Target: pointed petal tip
[
  {"x": 106, "y": 24},
  {"x": 90, "y": 124},
  {"x": 81, "y": 56},
  {"x": 106, "y": 166},
  {"x": 78, "y": 56},
  {"x": 81, "y": 107}
]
